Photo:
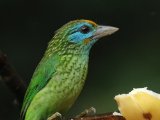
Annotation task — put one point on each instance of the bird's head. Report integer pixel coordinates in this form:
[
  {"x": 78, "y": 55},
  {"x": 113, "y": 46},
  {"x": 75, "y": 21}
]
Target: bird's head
[{"x": 80, "y": 35}]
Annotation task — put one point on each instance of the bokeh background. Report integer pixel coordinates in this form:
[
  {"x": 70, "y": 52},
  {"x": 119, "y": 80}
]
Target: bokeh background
[{"x": 128, "y": 59}]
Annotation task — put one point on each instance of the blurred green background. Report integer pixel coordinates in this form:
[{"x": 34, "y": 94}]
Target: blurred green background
[{"x": 128, "y": 59}]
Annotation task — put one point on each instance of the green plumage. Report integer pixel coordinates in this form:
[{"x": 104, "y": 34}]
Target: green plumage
[{"x": 60, "y": 76}]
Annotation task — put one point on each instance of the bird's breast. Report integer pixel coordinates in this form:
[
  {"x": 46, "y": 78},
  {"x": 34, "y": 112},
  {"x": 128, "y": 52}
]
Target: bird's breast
[{"x": 69, "y": 79}]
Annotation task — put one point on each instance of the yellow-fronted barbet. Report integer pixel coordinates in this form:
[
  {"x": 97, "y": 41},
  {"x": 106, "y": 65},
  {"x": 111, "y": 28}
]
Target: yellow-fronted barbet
[{"x": 61, "y": 73}]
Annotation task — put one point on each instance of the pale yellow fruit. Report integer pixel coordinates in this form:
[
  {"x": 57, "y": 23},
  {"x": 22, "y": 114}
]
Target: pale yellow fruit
[{"x": 139, "y": 104}]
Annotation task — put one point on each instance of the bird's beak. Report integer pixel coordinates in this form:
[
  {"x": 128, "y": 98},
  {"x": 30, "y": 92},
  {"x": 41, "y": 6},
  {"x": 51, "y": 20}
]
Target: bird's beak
[{"x": 104, "y": 31}]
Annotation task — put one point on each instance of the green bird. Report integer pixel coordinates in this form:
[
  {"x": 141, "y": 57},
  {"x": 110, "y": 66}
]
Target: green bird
[{"x": 60, "y": 75}]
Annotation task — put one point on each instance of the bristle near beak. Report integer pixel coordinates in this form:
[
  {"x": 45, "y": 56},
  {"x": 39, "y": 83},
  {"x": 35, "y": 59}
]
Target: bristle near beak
[{"x": 104, "y": 31}]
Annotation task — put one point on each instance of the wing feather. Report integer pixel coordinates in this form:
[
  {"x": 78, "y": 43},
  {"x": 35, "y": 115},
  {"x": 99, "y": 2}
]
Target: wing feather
[{"x": 40, "y": 78}]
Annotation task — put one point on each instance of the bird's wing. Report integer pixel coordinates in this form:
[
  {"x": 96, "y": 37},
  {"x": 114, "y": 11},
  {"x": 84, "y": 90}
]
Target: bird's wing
[{"x": 41, "y": 76}]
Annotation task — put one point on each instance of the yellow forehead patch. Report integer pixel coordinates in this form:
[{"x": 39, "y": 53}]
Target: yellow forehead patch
[{"x": 91, "y": 22}]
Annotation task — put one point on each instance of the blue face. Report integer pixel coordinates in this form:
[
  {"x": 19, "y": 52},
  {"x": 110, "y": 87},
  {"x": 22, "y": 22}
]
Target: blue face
[{"x": 80, "y": 32}]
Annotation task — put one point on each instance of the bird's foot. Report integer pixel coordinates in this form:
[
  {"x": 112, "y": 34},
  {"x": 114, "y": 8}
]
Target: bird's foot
[
  {"x": 87, "y": 112},
  {"x": 55, "y": 116}
]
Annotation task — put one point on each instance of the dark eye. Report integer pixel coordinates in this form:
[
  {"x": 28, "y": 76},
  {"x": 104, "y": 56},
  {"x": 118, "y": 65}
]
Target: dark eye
[{"x": 84, "y": 29}]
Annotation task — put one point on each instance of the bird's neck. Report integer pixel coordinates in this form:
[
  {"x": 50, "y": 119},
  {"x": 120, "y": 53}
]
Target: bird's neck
[
  {"x": 58, "y": 46},
  {"x": 69, "y": 50}
]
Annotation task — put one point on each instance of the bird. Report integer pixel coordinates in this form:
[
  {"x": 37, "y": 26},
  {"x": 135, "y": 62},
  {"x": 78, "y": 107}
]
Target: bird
[{"x": 60, "y": 76}]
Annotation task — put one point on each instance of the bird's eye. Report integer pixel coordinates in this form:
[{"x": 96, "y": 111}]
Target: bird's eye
[{"x": 84, "y": 29}]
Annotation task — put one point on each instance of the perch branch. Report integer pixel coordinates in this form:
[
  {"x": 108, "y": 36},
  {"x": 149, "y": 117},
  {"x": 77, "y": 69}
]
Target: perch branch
[
  {"x": 106, "y": 116},
  {"x": 88, "y": 115},
  {"x": 11, "y": 78}
]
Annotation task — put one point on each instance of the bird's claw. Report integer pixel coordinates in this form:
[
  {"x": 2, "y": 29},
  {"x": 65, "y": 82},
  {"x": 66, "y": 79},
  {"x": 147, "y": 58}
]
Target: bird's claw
[
  {"x": 55, "y": 116},
  {"x": 87, "y": 112}
]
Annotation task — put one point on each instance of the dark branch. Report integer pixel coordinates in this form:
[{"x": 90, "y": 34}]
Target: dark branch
[
  {"x": 106, "y": 116},
  {"x": 11, "y": 78}
]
